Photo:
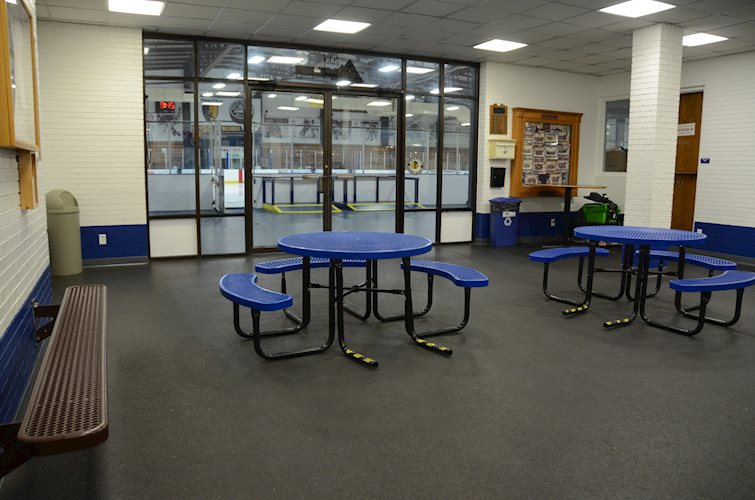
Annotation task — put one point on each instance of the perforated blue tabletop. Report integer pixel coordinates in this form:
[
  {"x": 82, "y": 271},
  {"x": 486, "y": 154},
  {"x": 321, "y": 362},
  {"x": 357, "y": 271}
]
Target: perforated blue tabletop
[
  {"x": 639, "y": 235},
  {"x": 354, "y": 245}
]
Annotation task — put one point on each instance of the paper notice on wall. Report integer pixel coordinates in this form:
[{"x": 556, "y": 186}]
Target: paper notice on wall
[{"x": 686, "y": 129}]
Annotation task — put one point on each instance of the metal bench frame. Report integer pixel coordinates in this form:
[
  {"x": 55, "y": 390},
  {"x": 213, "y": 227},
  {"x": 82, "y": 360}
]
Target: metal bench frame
[{"x": 58, "y": 421}]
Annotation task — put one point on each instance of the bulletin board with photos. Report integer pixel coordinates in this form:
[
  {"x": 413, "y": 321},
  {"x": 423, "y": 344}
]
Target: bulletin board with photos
[{"x": 547, "y": 153}]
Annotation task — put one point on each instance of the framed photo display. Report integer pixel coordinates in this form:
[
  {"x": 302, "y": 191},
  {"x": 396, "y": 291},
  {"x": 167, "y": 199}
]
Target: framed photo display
[{"x": 547, "y": 144}]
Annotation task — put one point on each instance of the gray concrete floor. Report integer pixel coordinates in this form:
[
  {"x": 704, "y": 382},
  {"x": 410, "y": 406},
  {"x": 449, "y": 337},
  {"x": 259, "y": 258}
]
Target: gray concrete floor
[{"x": 531, "y": 405}]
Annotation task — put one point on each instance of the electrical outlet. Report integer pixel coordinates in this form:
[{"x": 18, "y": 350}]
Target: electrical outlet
[
  {"x": 700, "y": 230},
  {"x": 553, "y": 222},
  {"x": 103, "y": 239}
]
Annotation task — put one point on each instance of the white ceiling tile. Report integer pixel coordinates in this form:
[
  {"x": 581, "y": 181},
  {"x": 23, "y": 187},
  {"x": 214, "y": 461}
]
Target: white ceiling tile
[
  {"x": 621, "y": 42},
  {"x": 427, "y": 35},
  {"x": 593, "y": 59},
  {"x": 621, "y": 53},
  {"x": 742, "y": 29},
  {"x": 592, "y": 19},
  {"x": 677, "y": 15},
  {"x": 747, "y": 13},
  {"x": 383, "y": 4},
  {"x": 182, "y": 22},
  {"x": 532, "y": 51},
  {"x": 213, "y": 3},
  {"x": 566, "y": 55},
  {"x": 594, "y": 48},
  {"x": 465, "y": 39},
  {"x": 312, "y": 9},
  {"x": 451, "y": 26},
  {"x": 477, "y": 15},
  {"x": 511, "y": 6},
  {"x": 131, "y": 19},
  {"x": 595, "y": 35},
  {"x": 625, "y": 25},
  {"x": 319, "y": 38},
  {"x": 559, "y": 65},
  {"x": 173, "y": 9},
  {"x": 561, "y": 43},
  {"x": 385, "y": 30},
  {"x": 361, "y": 14},
  {"x": 408, "y": 20},
  {"x": 232, "y": 30},
  {"x": 85, "y": 15},
  {"x": 555, "y": 11},
  {"x": 557, "y": 29},
  {"x": 181, "y": 31},
  {"x": 76, "y": 4},
  {"x": 535, "y": 61},
  {"x": 300, "y": 21},
  {"x": 284, "y": 31},
  {"x": 721, "y": 6},
  {"x": 519, "y": 22},
  {"x": 531, "y": 37},
  {"x": 244, "y": 16},
  {"x": 505, "y": 57},
  {"x": 439, "y": 9},
  {"x": 263, "y": 5},
  {"x": 271, "y": 38}
]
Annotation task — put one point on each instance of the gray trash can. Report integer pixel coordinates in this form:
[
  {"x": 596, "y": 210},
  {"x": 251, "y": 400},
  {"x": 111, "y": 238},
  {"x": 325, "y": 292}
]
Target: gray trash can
[{"x": 63, "y": 232}]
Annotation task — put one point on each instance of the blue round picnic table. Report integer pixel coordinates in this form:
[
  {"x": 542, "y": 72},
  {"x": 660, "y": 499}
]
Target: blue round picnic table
[{"x": 355, "y": 245}]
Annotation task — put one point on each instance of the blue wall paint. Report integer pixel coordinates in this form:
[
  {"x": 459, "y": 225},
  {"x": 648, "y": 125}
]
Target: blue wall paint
[
  {"x": 122, "y": 241},
  {"x": 18, "y": 350},
  {"x": 531, "y": 224},
  {"x": 735, "y": 240}
]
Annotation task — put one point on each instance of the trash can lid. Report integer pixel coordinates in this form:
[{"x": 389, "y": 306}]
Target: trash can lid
[
  {"x": 60, "y": 201},
  {"x": 505, "y": 200}
]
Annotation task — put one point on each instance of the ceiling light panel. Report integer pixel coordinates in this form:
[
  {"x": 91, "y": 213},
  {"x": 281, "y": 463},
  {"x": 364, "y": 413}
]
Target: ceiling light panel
[
  {"x": 701, "y": 39},
  {"x": 637, "y": 8},
  {"x": 143, "y": 7},
  {"x": 418, "y": 70},
  {"x": 288, "y": 108},
  {"x": 285, "y": 60},
  {"x": 497, "y": 45},
  {"x": 255, "y": 59},
  {"x": 338, "y": 26},
  {"x": 228, "y": 94},
  {"x": 379, "y": 103}
]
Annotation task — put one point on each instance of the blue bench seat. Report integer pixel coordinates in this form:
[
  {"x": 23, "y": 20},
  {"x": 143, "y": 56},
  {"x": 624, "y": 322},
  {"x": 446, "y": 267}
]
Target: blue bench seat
[
  {"x": 458, "y": 275},
  {"x": 728, "y": 280},
  {"x": 297, "y": 264},
  {"x": 550, "y": 255},
  {"x": 461, "y": 276},
  {"x": 243, "y": 290},
  {"x": 705, "y": 261}
]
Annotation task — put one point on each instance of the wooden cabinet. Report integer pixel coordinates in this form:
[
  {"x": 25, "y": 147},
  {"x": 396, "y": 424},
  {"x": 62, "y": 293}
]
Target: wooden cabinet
[{"x": 547, "y": 151}]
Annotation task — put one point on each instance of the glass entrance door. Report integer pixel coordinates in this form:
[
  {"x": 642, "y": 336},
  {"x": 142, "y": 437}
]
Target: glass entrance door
[
  {"x": 287, "y": 164},
  {"x": 363, "y": 160}
]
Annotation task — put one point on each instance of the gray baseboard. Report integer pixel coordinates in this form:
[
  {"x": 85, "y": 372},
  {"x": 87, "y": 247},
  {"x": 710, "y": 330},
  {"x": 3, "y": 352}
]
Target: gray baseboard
[{"x": 121, "y": 261}]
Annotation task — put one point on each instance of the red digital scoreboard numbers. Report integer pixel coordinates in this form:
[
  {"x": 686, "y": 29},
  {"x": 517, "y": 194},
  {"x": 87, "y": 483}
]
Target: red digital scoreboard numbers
[{"x": 166, "y": 106}]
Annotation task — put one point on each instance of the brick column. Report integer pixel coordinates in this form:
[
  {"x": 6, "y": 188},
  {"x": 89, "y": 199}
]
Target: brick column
[{"x": 653, "y": 118}]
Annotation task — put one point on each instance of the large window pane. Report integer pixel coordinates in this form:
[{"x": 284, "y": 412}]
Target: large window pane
[
  {"x": 169, "y": 110},
  {"x": 330, "y": 68},
  {"x": 460, "y": 80},
  {"x": 422, "y": 145},
  {"x": 168, "y": 58},
  {"x": 422, "y": 76},
  {"x": 221, "y": 60},
  {"x": 458, "y": 151},
  {"x": 617, "y": 135}
]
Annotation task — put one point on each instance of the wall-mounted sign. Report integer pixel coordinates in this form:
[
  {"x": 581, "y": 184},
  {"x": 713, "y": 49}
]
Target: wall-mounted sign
[
  {"x": 686, "y": 129},
  {"x": 237, "y": 111},
  {"x": 415, "y": 166}
]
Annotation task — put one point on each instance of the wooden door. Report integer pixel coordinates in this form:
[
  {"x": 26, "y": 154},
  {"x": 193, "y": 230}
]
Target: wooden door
[{"x": 687, "y": 157}]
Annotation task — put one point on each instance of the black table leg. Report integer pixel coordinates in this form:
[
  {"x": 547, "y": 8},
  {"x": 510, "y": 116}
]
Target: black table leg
[
  {"x": 409, "y": 314},
  {"x": 336, "y": 293},
  {"x": 588, "y": 291},
  {"x": 640, "y": 289}
]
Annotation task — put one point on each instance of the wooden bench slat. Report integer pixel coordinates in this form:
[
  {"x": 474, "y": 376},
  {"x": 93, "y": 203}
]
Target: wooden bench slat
[{"x": 68, "y": 406}]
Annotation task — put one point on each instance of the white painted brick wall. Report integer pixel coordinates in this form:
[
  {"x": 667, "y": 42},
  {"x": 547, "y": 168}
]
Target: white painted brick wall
[
  {"x": 725, "y": 186},
  {"x": 653, "y": 118},
  {"x": 23, "y": 239},
  {"x": 520, "y": 87},
  {"x": 93, "y": 132}
]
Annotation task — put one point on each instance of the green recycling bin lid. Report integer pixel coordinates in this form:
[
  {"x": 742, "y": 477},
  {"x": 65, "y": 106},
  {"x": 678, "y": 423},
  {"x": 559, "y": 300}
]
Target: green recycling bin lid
[{"x": 60, "y": 201}]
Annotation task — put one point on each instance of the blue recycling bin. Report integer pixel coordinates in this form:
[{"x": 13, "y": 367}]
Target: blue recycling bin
[{"x": 504, "y": 220}]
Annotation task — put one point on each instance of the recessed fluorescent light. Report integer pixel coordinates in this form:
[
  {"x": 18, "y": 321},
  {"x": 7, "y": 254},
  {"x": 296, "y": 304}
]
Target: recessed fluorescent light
[
  {"x": 302, "y": 98},
  {"x": 409, "y": 115},
  {"x": 338, "y": 26},
  {"x": 218, "y": 86},
  {"x": 285, "y": 60},
  {"x": 388, "y": 68},
  {"x": 416, "y": 145},
  {"x": 255, "y": 59},
  {"x": 272, "y": 96},
  {"x": 257, "y": 79},
  {"x": 212, "y": 103},
  {"x": 447, "y": 90},
  {"x": 466, "y": 124},
  {"x": 207, "y": 94},
  {"x": 450, "y": 108},
  {"x": 379, "y": 103},
  {"x": 365, "y": 85},
  {"x": 497, "y": 45},
  {"x": 701, "y": 39},
  {"x": 410, "y": 97},
  {"x": 343, "y": 83},
  {"x": 637, "y": 8},
  {"x": 288, "y": 108},
  {"x": 228, "y": 94},
  {"x": 314, "y": 101},
  {"x": 146, "y": 49},
  {"x": 234, "y": 76},
  {"x": 416, "y": 70},
  {"x": 144, "y": 7}
]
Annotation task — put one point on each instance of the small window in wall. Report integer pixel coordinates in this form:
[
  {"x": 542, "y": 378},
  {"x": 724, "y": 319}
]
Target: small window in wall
[{"x": 617, "y": 136}]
